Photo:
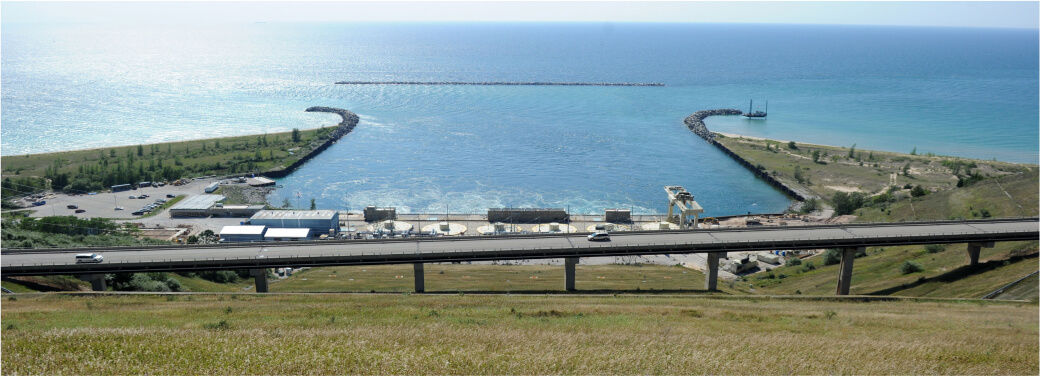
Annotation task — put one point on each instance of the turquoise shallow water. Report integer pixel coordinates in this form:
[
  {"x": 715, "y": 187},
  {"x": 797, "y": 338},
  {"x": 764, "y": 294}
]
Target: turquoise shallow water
[{"x": 965, "y": 92}]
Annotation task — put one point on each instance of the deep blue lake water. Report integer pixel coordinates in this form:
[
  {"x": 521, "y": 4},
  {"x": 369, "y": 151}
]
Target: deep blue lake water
[{"x": 963, "y": 92}]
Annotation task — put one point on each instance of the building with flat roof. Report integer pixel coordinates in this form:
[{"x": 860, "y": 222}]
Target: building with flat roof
[
  {"x": 318, "y": 221},
  {"x": 195, "y": 206},
  {"x": 242, "y": 233},
  {"x": 287, "y": 234}
]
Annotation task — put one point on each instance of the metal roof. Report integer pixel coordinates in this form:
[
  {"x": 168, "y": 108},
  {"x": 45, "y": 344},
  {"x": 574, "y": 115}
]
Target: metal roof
[
  {"x": 197, "y": 202},
  {"x": 294, "y": 214},
  {"x": 242, "y": 230},
  {"x": 287, "y": 233}
]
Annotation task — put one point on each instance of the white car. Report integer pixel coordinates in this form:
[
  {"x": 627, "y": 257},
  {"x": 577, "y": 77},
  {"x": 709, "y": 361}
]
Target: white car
[
  {"x": 92, "y": 258},
  {"x": 599, "y": 236}
]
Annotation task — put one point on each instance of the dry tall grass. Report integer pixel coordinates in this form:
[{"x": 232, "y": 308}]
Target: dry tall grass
[{"x": 409, "y": 334}]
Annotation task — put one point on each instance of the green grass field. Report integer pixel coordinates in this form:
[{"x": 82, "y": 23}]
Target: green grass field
[
  {"x": 481, "y": 334},
  {"x": 1005, "y": 196},
  {"x": 945, "y": 273},
  {"x": 494, "y": 278},
  {"x": 97, "y": 169}
]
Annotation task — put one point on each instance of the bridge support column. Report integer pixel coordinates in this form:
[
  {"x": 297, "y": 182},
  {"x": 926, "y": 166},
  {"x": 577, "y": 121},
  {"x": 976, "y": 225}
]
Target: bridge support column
[
  {"x": 845, "y": 269},
  {"x": 97, "y": 281},
  {"x": 974, "y": 250},
  {"x": 420, "y": 278},
  {"x": 568, "y": 265},
  {"x": 260, "y": 278},
  {"x": 711, "y": 272}
]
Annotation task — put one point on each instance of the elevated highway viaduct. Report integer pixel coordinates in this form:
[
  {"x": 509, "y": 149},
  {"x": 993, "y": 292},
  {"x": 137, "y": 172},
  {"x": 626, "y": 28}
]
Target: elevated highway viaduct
[{"x": 570, "y": 247}]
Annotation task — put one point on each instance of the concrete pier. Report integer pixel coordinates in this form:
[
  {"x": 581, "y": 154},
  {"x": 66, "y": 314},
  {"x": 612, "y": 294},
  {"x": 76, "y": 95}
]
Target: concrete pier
[
  {"x": 711, "y": 272},
  {"x": 97, "y": 281},
  {"x": 260, "y": 278},
  {"x": 568, "y": 265},
  {"x": 845, "y": 269},
  {"x": 974, "y": 250},
  {"x": 420, "y": 277}
]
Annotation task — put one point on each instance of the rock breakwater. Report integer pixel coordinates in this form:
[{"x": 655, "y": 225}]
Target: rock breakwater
[
  {"x": 350, "y": 120},
  {"x": 499, "y": 83},
  {"x": 696, "y": 124}
]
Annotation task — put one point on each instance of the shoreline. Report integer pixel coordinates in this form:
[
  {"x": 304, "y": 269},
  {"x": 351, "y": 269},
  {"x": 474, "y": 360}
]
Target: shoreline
[
  {"x": 345, "y": 126},
  {"x": 696, "y": 124}
]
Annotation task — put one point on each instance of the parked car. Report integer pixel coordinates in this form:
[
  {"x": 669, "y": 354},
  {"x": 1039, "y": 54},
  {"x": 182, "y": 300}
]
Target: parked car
[
  {"x": 170, "y": 195},
  {"x": 72, "y": 206},
  {"x": 139, "y": 212},
  {"x": 133, "y": 197},
  {"x": 80, "y": 211},
  {"x": 119, "y": 208},
  {"x": 599, "y": 236},
  {"x": 142, "y": 196},
  {"x": 93, "y": 258}
]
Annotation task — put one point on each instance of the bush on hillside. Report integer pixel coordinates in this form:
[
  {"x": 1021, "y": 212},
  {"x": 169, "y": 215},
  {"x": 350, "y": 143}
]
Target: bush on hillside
[
  {"x": 935, "y": 248},
  {"x": 847, "y": 203},
  {"x": 911, "y": 267},
  {"x": 831, "y": 257},
  {"x": 793, "y": 261}
]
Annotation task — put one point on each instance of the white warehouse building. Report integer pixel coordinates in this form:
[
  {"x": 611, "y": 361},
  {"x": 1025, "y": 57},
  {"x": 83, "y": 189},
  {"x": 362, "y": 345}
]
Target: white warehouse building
[{"x": 318, "y": 221}]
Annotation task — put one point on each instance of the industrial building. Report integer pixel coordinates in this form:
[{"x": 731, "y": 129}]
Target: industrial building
[
  {"x": 195, "y": 206},
  {"x": 242, "y": 233},
  {"x": 318, "y": 221},
  {"x": 209, "y": 205},
  {"x": 286, "y": 234}
]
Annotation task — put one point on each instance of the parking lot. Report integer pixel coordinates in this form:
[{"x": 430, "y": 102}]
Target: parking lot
[{"x": 104, "y": 204}]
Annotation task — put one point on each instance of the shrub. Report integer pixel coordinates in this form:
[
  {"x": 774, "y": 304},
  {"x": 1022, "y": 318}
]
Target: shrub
[
  {"x": 847, "y": 203},
  {"x": 808, "y": 266},
  {"x": 917, "y": 191},
  {"x": 935, "y": 248},
  {"x": 831, "y": 257},
  {"x": 793, "y": 261},
  {"x": 173, "y": 284},
  {"x": 791, "y": 145},
  {"x": 222, "y": 325},
  {"x": 810, "y": 206},
  {"x": 910, "y": 267},
  {"x": 220, "y": 276}
]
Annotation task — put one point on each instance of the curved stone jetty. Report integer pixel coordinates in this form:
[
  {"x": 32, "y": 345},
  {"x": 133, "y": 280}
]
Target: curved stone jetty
[
  {"x": 503, "y": 83},
  {"x": 696, "y": 124},
  {"x": 350, "y": 120}
]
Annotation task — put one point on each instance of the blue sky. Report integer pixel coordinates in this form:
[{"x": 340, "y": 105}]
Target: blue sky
[{"x": 964, "y": 14}]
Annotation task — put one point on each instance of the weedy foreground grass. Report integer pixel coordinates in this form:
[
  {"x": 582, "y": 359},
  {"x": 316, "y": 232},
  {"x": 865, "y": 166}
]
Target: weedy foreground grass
[{"x": 468, "y": 334}]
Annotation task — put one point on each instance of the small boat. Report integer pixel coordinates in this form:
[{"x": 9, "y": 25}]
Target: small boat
[{"x": 752, "y": 114}]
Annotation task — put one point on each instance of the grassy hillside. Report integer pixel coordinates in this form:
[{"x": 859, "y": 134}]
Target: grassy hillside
[
  {"x": 826, "y": 170},
  {"x": 1004, "y": 196},
  {"x": 499, "y": 278},
  {"x": 1025, "y": 289},
  {"x": 945, "y": 273},
  {"x": 469, "y": 334}
]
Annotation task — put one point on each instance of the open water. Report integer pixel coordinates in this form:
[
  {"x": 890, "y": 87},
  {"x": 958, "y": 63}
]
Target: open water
[{"x": 963, "y": 92}]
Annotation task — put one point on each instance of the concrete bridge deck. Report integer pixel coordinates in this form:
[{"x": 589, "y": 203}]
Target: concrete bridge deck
[{"x": 570, "y": 247}]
